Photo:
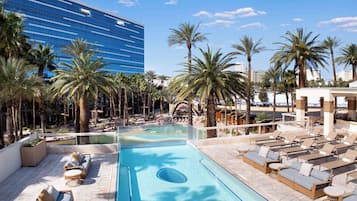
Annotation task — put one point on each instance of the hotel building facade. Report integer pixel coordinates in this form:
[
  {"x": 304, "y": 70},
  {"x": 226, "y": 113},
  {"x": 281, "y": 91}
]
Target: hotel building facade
[{"x": 119, "y": 41}]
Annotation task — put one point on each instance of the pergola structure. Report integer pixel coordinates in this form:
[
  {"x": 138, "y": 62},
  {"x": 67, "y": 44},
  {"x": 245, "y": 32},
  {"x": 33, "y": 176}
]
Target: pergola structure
[{"x": 327, "y": 95}]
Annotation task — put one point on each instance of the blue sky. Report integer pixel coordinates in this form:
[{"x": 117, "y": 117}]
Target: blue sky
[{"x": 226, "y": 21}]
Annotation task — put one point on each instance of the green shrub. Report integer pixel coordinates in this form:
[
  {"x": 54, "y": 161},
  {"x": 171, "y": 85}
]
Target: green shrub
[{"x": 32, "y": 143}]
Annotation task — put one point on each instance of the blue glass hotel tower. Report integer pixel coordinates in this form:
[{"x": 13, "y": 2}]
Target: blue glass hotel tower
[{"x": 58, "y": 22}]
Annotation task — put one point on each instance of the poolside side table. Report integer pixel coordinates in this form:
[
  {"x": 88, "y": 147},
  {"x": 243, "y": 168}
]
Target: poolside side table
[
  {"x": 333, "y": 192},
  {"x": 74, "y": 177},
  {"x": 276, "y": 166},
  {"x": 243, "y": 149}
]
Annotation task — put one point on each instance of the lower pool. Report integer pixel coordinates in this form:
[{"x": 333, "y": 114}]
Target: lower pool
[{"x": 176, "y": 173}]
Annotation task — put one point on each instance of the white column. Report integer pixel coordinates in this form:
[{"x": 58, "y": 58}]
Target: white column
[
  {"x": 329, "y": 108},
  {"x": 351, "y": 108},
  {"x": 300, "y": 109}
]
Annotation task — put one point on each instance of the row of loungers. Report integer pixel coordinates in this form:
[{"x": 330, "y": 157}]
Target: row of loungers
[{"x": 313, "y": 159}]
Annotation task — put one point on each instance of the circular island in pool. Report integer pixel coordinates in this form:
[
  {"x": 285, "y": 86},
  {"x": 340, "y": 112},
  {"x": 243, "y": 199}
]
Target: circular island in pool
[{"x": 171, "y": 175}]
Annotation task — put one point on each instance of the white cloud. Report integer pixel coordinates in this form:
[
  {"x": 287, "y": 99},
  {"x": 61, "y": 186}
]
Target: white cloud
[
  {"x": 240, "y": 12},
  {"x": 224, "y": 23},
  {"x": 257, "y": 25},
  {"x": 298, "y": 19},
  {"x": 128, "y": 3},
  {"x": 345, "y": 23},
  {"x": 339, "y": 20},
  {"x": 171, "y": 2},
  {"x": 202, "y": 14},
  {"x": 285, "y": 25}
]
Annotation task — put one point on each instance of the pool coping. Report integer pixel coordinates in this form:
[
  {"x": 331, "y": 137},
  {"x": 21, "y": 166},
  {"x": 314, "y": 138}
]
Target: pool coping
[{"x": 244, "y": 181}]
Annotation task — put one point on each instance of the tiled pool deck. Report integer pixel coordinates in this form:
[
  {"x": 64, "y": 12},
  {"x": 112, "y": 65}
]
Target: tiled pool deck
[
  {"x": 26, "y": 183},
  {"x": 227, "y": 156},
  {"x": 100, "y": 184}
]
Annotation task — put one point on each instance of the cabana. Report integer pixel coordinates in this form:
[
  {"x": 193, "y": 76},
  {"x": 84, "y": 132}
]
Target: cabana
[{"x": 327, "y": 99}]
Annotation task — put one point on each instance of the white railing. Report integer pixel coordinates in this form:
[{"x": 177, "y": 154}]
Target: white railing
[
  {"x": 67, "y": 136},
  {"x": 234, "y": 130}
]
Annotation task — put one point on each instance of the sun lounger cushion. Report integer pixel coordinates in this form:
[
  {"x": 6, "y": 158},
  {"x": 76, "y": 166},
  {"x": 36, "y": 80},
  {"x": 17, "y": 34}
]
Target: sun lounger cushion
[
  {"x": 296, "y": 165},
  {"x": 305, "y": 169},
  {"x": 53, "y": 192},
  {"x": 256, "y": 158},
  {"x": 45, "y": 196},
  {"x": 263, "y": 151},
  {"x": 322, "y": 175},
  {"x": 273, "y": 155},
  {"x": 65, "y": 196},
  {"x": 307, "y": 182}
]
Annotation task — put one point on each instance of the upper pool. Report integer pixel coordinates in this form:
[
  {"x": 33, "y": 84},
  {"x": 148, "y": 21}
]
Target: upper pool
[
  {"x": 154, "y": 134},
  {"x": 176, "y": 173}
]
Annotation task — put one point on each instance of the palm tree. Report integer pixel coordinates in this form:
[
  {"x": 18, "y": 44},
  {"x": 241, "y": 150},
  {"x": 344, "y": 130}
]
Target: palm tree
[
  {"x": 150, "y": 76},
  {"x": 289, "y": 84},
  {"x": 303, "y": 50},
  {"x": 349, "y": 57},
  {"x": 211, "y": 80},
  {"x": 122, "y": 82},
  {"x": 331, "y": 43},
  {"x": 248, "y": 48},
  {"x": 42, "y": 57},
  {"x": 16, "y": 86},
  {"x": 13, "y": 43},
  {"x": 187, "y": 34},
  {"x": 272, "y": 75},
  {"x": 82, "y": 78}
]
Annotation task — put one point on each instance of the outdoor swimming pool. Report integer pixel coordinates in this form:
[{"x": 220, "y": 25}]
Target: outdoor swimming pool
[
  {"x": 153, "y": 134},
  {"x": 176, "y": 173}
]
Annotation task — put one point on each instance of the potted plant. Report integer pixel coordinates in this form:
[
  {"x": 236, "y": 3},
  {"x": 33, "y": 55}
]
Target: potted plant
[{"x": 33, "y": 151}]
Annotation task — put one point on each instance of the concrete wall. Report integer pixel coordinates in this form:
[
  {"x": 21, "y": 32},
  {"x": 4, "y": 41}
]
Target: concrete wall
[
  {"x": 10, "y": 158},
  {"x": 89, "y": 148}
]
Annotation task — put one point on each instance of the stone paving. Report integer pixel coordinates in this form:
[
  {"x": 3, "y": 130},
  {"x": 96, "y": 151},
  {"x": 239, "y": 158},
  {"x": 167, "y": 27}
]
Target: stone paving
[
  {"x": 227, "y": 156},
  {"x": 26, "y": 183}
]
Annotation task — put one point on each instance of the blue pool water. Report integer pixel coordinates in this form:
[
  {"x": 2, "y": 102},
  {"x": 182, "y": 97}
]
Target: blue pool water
[
  {"x": 176, "y": 173},
  {"x": 153, "y": 134}
]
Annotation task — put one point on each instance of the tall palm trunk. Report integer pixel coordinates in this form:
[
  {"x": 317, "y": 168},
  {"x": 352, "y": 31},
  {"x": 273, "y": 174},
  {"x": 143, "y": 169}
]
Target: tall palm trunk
[
  {"x": 144, "y": 104},
  {"x": 20, "y": 117},
  {"x": 125, "y": 115},
  {"x": 2, "y": 141},
  {"x": 153, "y": 108},
  {"x": 119, "y": 105},
  {"x": 9, "y": 124},
  {"x": 40, "y": 101},
  {"x": 287, "y": 100},
  {"x": 111, "y": 106},
  {"x": 292, "y": 100},
  {"x": 149, "y": 103},
  {"x": 274, "y": 101},
  {"x": 189, "y": 58},
  {"x": 354, "y": 75},
  {"x": 132, "y": 103},
  {"x": 247, "y": 115},
  {"x": 333, "y": 67},
  {"x": 42, "y": 114},
  {"x": 161, "y": 105},
  {"x": 84, "y": 113},
  {"x": 76, "y": 115},
  {"x": 211, "y": 116},
  {"x": 14, "y": 121},
  {"x": 64, "y": 111},
  {"x": 96, "y": 108},
  {"x": 33, "y": 114}
]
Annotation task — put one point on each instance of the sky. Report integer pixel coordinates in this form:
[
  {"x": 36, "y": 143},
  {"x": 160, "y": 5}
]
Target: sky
[{"x": 226, "y": 21}]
